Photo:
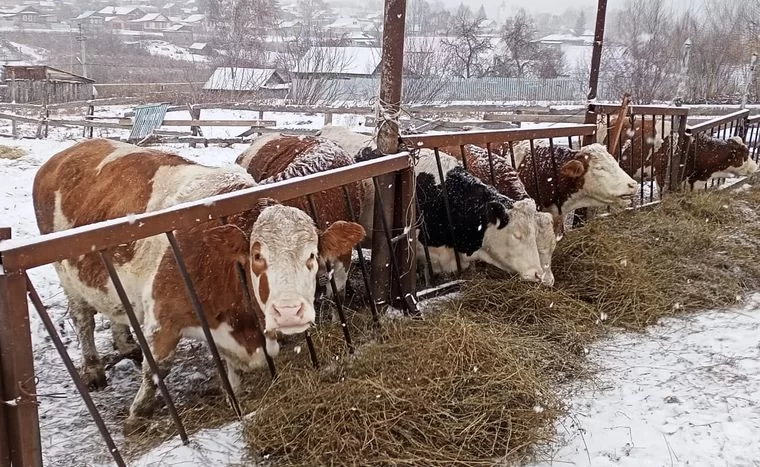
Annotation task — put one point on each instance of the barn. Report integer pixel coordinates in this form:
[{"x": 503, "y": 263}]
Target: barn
[
  {"x": 41, "y": 84},
  {"x": 237, "y": 82}
]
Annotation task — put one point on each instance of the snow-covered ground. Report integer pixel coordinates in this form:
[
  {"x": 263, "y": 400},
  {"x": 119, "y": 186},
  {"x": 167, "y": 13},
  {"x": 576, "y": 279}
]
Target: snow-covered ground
[
  {"x": 686, "y": 392},
  {"x": 175, "y": 52}
]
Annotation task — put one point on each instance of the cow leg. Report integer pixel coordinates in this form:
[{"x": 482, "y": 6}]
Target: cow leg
[
  {"x": 83, "y": 315},
  {"x": 124, "y": 343},
  {"x": 162, "y": 343}
]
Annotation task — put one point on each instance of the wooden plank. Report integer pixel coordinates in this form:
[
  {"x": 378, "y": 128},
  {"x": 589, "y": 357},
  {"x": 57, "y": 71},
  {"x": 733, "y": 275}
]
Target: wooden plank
[{"x": 232, "y": 123}]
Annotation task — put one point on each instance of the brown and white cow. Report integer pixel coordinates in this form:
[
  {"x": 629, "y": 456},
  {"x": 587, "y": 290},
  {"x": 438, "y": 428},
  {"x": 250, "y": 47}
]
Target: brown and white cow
[
  {"x": 636, "y": 146},
  {"x": 274, "y": 158},
  {"x": 279, "y": 246},
  {"x": 507, "y": 182},
  {"x": 565, "y": 179},
  {"x": 707, "y": 158}
]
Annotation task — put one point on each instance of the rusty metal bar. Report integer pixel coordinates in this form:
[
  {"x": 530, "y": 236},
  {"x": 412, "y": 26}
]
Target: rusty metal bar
[
  {"x": 17, "y": 379},
  {"x": 5, "y": 441},
  {"x": 464, "y": 159},
  {"x": 642, "y": 109},
  {"x": 428, "y": 264},
  {"x": 18, "y": 255},
  {"x": 336, "y": 296},
  {"x": 447, "y": 205},
  {"x": 250, "y": 308},
  {"x": 596, "y": 61},
  {"x": 394, "y": 269},
  {"x": 381, "y": 253},
  {"x": 490, "y": 164},
  {"x": 363, "y": 264},
  {"x": 73, "y": 373},
  {"x": 198, "y": 309},
  {"x": 716, "y": 122},
  {"x": 147, "y": 353},
  {"x": 432, "y": 141},
  {"x": 312, "y": 350},
  {"x": 406, "y": 252}
]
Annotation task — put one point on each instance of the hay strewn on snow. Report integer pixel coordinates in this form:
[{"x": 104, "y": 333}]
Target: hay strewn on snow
[
  {"x": 475, "y": 381},
  {"x": 11, "y": 153}
]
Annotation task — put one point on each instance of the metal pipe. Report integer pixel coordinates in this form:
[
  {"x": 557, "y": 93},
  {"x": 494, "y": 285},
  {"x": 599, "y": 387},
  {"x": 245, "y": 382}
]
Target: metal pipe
[
  {"x": 73, "y": 373},
  {"x": 198, "y": 309},
  {"x": 158, "y": 378}
]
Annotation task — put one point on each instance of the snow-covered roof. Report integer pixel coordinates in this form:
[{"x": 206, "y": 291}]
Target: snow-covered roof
[
  {"x": 151, "y": 17},
  {"x": 86, "y": 15},
  {"x": 198, "y": 46},
  {"x": 340, "y": 60},
  {"x": 176, "y": 27},
  {"x": 559, "y": 38},
  {"x": 193, "y": 19},
  {"x": 118, "y": 10},
  {"x": 238, "y": 79}
]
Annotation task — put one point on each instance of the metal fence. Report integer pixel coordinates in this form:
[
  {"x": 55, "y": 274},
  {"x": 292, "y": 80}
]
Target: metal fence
[{"x": 21, "y": 428}]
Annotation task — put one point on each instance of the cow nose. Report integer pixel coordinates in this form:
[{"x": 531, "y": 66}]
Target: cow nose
[
  {"x": 632, "y": 185},
  {"x": 539, "y": 277},
  {"x": 288, "y": 312}
]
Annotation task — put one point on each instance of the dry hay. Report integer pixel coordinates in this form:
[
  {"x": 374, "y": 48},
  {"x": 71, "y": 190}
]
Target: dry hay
[
  {"x": 475, "y": 381},
  {"x": 11, "y": 153}
]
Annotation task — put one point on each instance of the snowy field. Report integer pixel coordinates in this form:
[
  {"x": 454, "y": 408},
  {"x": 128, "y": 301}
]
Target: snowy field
[{"x": 684, "y": 393}]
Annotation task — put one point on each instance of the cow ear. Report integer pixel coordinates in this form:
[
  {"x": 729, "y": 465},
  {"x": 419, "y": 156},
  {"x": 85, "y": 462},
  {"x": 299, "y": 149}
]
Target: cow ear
[
  {"x": 497, "y": 214},
  {"x": 573, "y": 169},
  {"x": 339, "y": 239},
  {"x": 228, "y": 241}
]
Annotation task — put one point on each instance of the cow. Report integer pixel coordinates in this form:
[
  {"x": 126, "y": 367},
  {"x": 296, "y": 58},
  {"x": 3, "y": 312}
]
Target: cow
[
  {"x": 275, "y": 158},
  {"x": 636, "y": 146},
  {"x": 279, "y": 247},
  {"x": 707, "y": 158},
  {"x": 507, "y": 182},
  {"x": 487, "y": 226},
  {"x": 560, "y": 179}
]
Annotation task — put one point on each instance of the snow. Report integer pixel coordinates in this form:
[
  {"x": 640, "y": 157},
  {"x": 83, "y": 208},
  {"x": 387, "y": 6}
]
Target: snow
[
  {"x": 238, "y": 79},
  {"x": 340, "y": 60},
  {"x": 218, "y": 447},
  {"x": 683, "y": 393},
  {"x": 165, "y": 49}
]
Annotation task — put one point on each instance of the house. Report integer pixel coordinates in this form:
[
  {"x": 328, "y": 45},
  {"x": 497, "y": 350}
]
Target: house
[
  {"x": 150, "y": 22},
  {"x": 39, "y": 84},
  {"x": 22, "y": 16},
  {"x": 339, "y": 62},
  {"x": 126, "y": 13},
  {"x": 172, "y": 9},
  {"x": 200, "y": 48},
  {"x": 179, "y": 34},
  {"x": 90, "y": 20},
  {"x": 238, "y": 82},
  {"x": 196, "y": 22}
]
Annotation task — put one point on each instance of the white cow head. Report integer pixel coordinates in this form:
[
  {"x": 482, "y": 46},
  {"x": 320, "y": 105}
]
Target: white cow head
[
  {"x": 736, "y": 160},
  {"x": 600, "y": 179},
  {"x": 282, "y": 256},
  {"x": 546, "y": 240}
]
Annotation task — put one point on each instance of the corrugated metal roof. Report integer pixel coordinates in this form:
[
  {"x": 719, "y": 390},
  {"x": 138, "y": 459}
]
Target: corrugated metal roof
[{"x": 147, "y": 118}]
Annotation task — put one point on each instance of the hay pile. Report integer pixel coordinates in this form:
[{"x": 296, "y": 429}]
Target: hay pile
[
  {"x": 11, "y": 153},
  {"x": 475, "y": 382}
]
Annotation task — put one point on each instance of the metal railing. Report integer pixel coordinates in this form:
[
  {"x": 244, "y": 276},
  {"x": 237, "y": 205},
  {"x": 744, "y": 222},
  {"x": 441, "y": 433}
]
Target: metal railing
[{"x": 19, "y": 423}]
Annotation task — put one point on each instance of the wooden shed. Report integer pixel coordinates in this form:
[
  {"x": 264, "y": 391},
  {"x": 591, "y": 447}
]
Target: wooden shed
[{"x": 40, "y": 84}]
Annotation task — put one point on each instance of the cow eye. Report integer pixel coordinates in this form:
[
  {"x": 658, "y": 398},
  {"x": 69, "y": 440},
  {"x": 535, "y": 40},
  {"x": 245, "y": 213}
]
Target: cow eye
[
  {"x": 257, "y": 257},
  {"x": 313, "y": 257}
]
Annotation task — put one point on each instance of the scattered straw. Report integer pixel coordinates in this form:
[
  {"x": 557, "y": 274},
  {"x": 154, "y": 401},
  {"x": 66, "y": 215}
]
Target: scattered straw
[
  {"x": 475, "y": 381},
  {"x": 11, "y": 153}
]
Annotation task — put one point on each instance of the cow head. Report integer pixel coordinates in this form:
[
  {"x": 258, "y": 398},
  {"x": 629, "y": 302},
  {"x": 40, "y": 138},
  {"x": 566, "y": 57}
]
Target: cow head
[
  {"x": 491, "y": 227},
  {"x": 600, "y": 180},
  {"x": 282, "y": 255},
  {"x": 736, "y": 161}
]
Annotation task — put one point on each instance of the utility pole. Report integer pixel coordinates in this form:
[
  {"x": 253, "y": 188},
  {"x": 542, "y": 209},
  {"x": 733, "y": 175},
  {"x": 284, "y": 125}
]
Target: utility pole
[
  {"x": 685, "y": 59},
  {"x": 750, "y": 79},
  {"x": 83, "y": 54}
]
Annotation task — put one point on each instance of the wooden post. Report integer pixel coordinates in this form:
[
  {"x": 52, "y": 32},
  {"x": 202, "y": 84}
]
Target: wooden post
[
  {"x": 404, "y": 218},
  {"x": 14, "y": 128},
  {"x": 593, "y": 85},
  {"x": 614, "y": 137},
  {"x": 750, "y": 79},
  {"x": 17, "y": 378},
  {"x": 328, "y": 118},
  {"x": 683, "y": 76},
  {"x": 387, "y": 138},
  {"x": 5, "y": 455}
]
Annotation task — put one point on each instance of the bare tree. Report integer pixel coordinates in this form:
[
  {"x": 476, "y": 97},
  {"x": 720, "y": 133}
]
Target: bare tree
[
  {"x": 522, "y": 55},
  {"x": 239, "y": 28},
  {"x": 643, "y": 61},
  {"x": 466, "y": 44},
  {"x": 425, "y": 65}
]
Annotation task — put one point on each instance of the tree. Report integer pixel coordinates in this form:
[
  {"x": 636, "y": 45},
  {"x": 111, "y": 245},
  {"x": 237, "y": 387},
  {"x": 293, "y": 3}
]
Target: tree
[
  {"x": 580, "y": 24},
  {"x": 465, "y": 44},
  {"x": 482, "y": 12},
  {"x": 239, "y": 27},
  {"x": 520, "y": 51}
]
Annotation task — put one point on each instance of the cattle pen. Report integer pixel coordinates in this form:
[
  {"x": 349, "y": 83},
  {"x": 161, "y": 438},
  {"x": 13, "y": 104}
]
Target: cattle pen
[{"x": 396, "y": 283}]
